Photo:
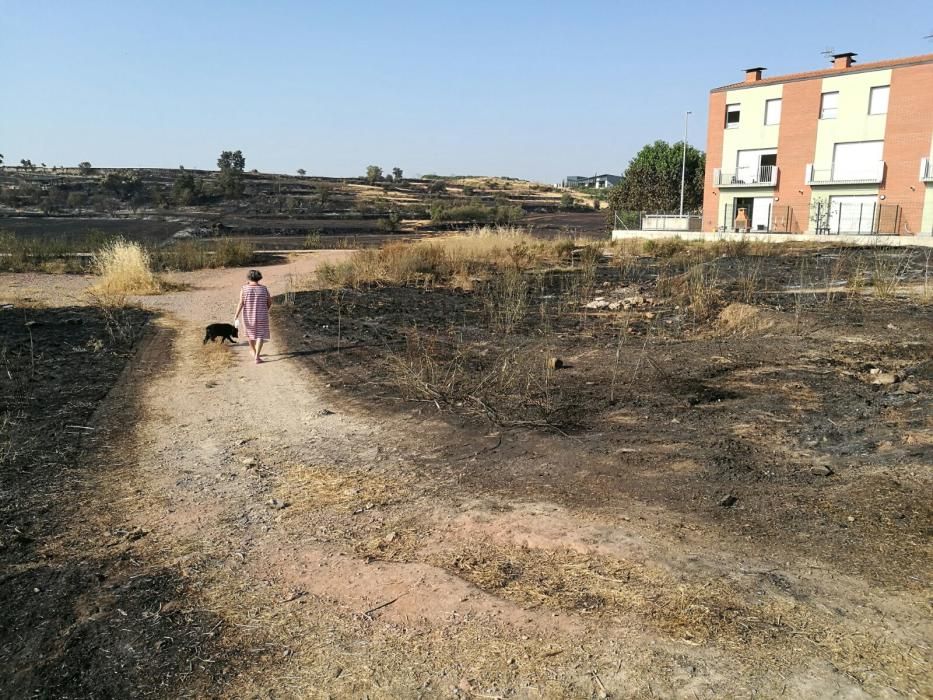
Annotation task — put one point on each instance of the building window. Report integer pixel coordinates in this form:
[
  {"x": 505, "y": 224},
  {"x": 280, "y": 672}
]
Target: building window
[
  {"x": 732, "y": 116},
  {"x": 772, "y": 112},
  {"x": 878, "y": 100},
  {"x": 858, "y": 161},
  {"x": 829, "y": 105}
]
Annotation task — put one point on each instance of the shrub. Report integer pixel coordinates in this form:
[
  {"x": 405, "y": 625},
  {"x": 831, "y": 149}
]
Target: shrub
[
  {"x": 454, "y": 259},
  {"x": 392, "y": 222},
  {"x": 124, "y": 268},
  {"x": 20, "y": 254},
  {"x": 665, "y": 247},
  {"x": 233, "y": 252},
  {"x": 339, "y": 275},
  {"x": 313, "y": 240},
  {"x": 506, "y": 300},
  {"x": 184, "y": 256},
  {"x": 474, "y": 213}
]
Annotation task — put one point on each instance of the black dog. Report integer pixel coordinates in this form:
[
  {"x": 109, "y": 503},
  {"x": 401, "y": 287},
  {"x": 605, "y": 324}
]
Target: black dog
[{"x": 224, "y": 331}]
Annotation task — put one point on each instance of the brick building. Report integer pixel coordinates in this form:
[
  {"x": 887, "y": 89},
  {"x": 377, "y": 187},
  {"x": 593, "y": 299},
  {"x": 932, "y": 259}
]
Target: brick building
[{"x": 842, "y": 150}]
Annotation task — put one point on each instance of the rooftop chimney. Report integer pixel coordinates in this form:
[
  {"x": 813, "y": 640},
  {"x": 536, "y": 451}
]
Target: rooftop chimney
[
  {"x": 843, "y": 60},
  {"x": 753, "y": 75}
]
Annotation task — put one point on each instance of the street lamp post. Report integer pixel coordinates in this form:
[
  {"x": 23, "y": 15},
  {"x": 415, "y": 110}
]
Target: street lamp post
[{"x": 683, "y": 165}]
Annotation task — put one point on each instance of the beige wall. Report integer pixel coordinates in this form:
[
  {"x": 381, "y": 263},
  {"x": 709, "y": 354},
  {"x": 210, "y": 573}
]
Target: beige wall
[
  {"x": 751, "y": 132},
  {"x": 926, "y": 225},
  {"x": 853, "y": 122}
]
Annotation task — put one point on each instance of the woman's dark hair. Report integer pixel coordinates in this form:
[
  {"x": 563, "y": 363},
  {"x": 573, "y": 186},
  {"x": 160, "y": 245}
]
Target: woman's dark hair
[{"x": 254, "y": 275}]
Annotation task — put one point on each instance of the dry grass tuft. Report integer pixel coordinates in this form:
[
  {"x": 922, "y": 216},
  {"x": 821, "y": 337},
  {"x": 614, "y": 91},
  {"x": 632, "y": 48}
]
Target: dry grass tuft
[
  {"x": 313, "y": 487},
  {"x": 458, "y": 260},
  {"x": 124, "y": 268},
  {"x": 887, "y": 273},
  {"x": 698, "y": 610},
  {"x": 512, "y": 387},
  {"x": 212, "y": 356},
  {"x": 563, "y": 579}
]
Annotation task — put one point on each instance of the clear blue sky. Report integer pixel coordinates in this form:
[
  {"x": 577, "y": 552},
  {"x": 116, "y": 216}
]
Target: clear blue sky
[{"x": 537, "y": 90}]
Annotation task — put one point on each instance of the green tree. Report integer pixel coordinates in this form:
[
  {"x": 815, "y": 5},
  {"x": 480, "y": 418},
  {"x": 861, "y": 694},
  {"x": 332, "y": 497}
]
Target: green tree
[
  {"x": 302, "y": 171},
  {"x": 27, "y": 164},
  {"x": 186, "y": 190},
  {"x": 76, "y": 200},
  {"x": 1, "y": 159},
  {"x": 566, "y": 202},
  {"x": 373, "y": 174},
  {"x": 231, "y": 164},
  {"x": 396, "y": 173},
  {"x": 392, "y": 222},
  {"x": 123, "y": 185},
  {"x": 84, "y": 167},
  {"x": 232, "y": 161},
  {"x": 324, "y": 192},
  {"x": 652, "y": 180}
]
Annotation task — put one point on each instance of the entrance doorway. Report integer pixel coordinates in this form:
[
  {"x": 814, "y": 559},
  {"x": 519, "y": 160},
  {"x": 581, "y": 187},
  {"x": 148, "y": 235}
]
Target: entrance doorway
[{"x": 757, "y": 209}]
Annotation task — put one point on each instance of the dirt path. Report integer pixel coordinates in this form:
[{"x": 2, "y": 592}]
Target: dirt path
[{"x": 323, "y": 551}]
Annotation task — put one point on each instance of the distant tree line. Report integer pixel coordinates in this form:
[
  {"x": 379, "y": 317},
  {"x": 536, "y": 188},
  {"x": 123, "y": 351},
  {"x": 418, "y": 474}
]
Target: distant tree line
[{"x": 374, "y": 174}]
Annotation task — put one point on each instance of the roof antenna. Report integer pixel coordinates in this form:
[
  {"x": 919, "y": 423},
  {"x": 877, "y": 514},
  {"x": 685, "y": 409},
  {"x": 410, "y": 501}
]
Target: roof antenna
[{"x": 828, "y": 52}]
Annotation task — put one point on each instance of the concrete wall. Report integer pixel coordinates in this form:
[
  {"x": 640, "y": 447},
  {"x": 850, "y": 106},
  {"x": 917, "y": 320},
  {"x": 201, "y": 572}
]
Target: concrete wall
[{"x": 855, "y": 239}]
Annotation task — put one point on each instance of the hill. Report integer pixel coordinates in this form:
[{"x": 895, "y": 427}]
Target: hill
[{"x": 281, "y": 210}]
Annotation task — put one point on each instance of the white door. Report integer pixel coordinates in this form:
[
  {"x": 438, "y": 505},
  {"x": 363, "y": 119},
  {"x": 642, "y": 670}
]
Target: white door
[
  {"x": 849, "y": 214},
  {"x": 761, "y": 213}
]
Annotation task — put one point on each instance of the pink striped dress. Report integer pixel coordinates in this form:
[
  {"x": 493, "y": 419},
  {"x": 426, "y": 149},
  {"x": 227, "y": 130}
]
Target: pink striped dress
[{"x": 255, "y": 311}]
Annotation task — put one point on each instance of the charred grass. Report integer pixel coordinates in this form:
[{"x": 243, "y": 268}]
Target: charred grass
[
  {"x": 753, "y": 364},
  {"x": 60, "y": 604}
]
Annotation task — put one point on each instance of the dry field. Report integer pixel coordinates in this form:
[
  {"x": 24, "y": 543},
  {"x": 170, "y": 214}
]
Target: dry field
[{"x": 720, "y": 490}]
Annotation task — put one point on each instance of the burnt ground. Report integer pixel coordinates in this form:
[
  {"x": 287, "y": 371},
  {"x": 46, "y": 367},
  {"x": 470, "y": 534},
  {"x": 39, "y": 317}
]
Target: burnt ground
[
  {"x": 771, "y": 403},
  {"x": 414, "y": 507},
  {"x": 79, "y": 615}
]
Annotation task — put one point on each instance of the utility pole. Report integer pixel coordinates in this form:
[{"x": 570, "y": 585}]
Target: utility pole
[{"x": 683, "y": 165}]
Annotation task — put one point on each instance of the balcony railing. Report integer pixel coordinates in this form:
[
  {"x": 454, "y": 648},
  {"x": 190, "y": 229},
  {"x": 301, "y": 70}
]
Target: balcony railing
[
  {"x": 926, "y": 170},
  {"x": 764, "y": 176},
  {"x": 871, "y": 174}
]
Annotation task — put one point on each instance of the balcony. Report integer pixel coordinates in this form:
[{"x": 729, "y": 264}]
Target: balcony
[
  {"x": 764, "y": 176},
  {"x": 926, "y": 170},
  {"x": 869, "y": 174}
]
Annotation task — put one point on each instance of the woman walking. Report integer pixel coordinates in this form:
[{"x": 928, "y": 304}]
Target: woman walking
[{"x": 255, "y": 302}]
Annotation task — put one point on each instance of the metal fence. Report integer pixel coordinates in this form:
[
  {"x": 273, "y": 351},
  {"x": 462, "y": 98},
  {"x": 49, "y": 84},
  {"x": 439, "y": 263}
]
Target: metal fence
[
  {"x": 822, "y": 218},
  {"x": 834, "y": 218},
  {"x": 762, "y": 175}
]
